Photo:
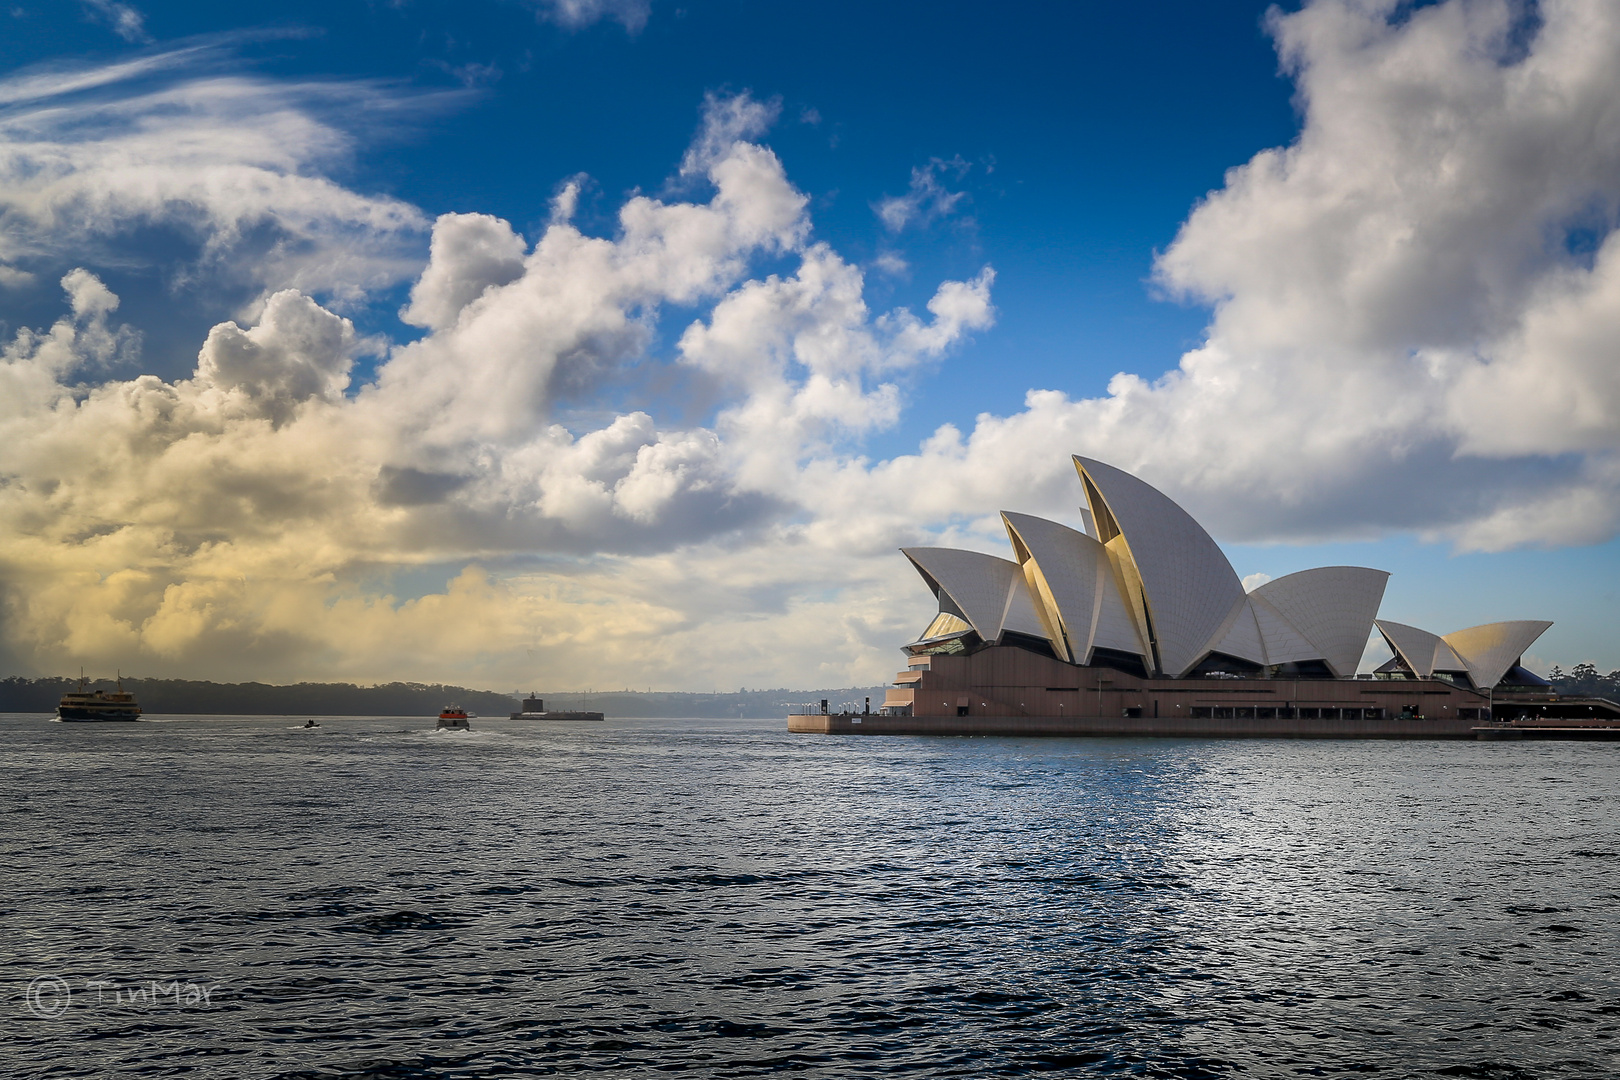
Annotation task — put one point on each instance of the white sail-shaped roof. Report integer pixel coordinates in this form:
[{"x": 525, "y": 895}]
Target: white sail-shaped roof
[
  {"x": 1243, "y": 639},
  {"x": 1190, "y": 589},
  {"x": 1087, "y": 610},
  {"x": 1115, "y": 627},
  {"x": 1446, "y": 658},
  {"x": 1484, "y": 652},
  {"x": 1416, "y": 647},
  {"x": 1060, "y": 567},
  {"x": 1333, "y": 607},
  {"x": 1492, "y": 649},
  {"x": 1144, "y": 579},
  {"x": 989, "y": 592},
  {"x": 1285, "y": 643},
  {"x": 976, "y": 584},
  {"x": 1020, "y": 615}
]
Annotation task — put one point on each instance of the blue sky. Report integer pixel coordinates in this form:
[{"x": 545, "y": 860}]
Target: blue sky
[
  {"x": 1084, "y": 132},
  {"x": 1157, "y": 189}
]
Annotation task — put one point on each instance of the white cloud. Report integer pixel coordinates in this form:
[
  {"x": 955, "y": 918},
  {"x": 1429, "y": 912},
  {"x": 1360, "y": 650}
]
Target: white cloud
[
  {"x": 35, "y": 368},
  {"x": 124, "y": 20},
  {"x": 43, "y": 83},
  {"x": 469, "y": 254},
  {"x": 574, "y": 14},
  {"x": 926, "y": 200},
  {"x": 87, "y": 296},
  {"x": 235, "y": 513},
  {"x": 1402, "y": 338},
  {"x": 892, "y": 264},
  {"x": 297, "y": 352},
  {"x": 581, "y": 307},
  {"x": 1400, "y": 328},
  {"x": 231, "y": 164}
]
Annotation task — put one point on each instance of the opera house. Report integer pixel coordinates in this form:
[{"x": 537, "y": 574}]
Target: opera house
[{"x": 1135, "y": 622}]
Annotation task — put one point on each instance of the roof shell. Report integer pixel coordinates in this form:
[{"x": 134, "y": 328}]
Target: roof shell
[
  {"x": 1061, "y": 580},
  {"x": 1333, "y": 607},
  {"x": 988, "y": 591},
  {"x": 1019, "y": 614},
  {"x": 1075, "y": 569},
  {"x": 1243, "y": 639},
  {"x": 1490, "y": 650},
  {"x": 1190, "y": 589},
  {"x": 1417, "y": 647},
  {"x": 1285, "y": 643}
]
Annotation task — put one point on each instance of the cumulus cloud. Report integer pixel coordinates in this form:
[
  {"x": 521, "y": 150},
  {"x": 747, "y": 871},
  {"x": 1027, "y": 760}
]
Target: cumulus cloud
[
  {"x": 469, "y": 254},
  {"x": 581, "y": 307},
  {"x": 87, "y": 296},
  {"x": 299, "y": 351},
  {"x": 1414, "y": 302},
  {"x": 1397, "y": 294},
  {"x": 239, "y": 512},
  {"x": 37, "y": 368}
]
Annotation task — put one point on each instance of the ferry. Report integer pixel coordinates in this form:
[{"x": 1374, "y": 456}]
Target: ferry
[
  {"x": 454, "y": 718},
  {"x": 85, "y": 704}
]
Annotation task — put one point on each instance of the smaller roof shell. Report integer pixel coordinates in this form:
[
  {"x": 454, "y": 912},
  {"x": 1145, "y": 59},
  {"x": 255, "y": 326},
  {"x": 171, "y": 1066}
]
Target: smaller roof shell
[
  {"x": 1333, "y": 607},
  {"x": 1416, "y": 647},
  {"x": 1066, "y": 561},
  {"x": 1490, "y": 650},
  {"x": 989, "y": 592},
  {"x": 1243, "y": 638},
  {"x": 976, "y": 584},
  {"x": 1285, "y": 643}
]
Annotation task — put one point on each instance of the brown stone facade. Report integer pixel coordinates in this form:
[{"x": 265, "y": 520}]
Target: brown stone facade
[{"x": 1011, "y": 682}]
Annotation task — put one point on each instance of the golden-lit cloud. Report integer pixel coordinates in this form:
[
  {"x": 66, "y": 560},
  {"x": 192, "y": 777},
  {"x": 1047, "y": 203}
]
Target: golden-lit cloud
[{"x": 249, "y": 521}]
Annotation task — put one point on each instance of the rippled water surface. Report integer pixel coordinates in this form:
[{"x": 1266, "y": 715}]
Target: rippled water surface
[{"x": 720, "y": 898}]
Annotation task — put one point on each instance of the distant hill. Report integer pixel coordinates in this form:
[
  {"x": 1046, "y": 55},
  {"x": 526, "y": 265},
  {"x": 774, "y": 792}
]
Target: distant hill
[{"x": 413, "y": 699}]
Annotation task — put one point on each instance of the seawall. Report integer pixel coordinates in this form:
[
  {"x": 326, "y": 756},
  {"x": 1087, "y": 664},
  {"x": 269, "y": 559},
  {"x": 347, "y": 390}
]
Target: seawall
[{"x": 1167, "y": 727}]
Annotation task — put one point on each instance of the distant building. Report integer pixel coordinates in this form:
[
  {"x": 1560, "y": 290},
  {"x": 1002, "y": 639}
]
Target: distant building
[{"x": 1137, "y": 614}]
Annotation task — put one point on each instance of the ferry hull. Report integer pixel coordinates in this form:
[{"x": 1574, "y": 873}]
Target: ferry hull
[
  {"x": 81, "y": 715},
  {"x": 557, "y": 716}
]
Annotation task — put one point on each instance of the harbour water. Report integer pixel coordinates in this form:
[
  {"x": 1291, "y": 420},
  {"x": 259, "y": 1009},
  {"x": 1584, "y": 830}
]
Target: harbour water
[{"x": 242, "y": 897}]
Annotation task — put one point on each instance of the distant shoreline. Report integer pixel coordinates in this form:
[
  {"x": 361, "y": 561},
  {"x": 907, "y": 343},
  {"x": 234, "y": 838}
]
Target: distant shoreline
[{"x": 190, "y": 697}]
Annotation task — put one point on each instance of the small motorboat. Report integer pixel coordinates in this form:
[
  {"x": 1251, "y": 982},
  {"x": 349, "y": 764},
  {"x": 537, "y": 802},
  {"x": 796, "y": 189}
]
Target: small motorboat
[
  {"x": 310, "y": 724},
  {"x": 454, "y": 718}
]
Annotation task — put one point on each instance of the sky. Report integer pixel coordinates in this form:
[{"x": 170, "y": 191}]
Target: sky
[{"x": 621, "y": 343}]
